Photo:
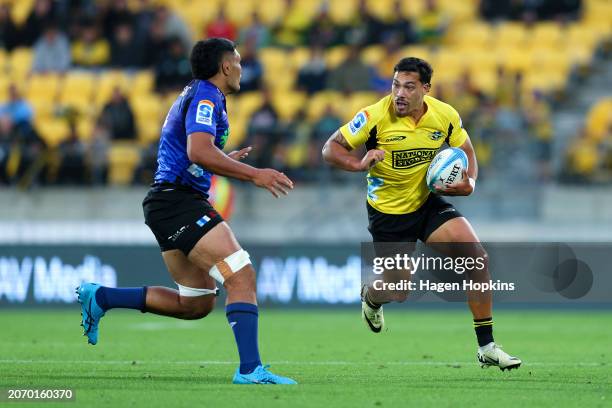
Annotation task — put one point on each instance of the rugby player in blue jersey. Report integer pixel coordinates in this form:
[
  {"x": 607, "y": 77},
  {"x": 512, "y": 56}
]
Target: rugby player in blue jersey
[{"x": 197, "y": 246}]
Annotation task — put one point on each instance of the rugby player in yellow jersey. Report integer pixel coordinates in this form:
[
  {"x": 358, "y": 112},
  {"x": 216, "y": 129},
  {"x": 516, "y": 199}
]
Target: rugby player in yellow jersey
[{"x": 402, "y": 133}]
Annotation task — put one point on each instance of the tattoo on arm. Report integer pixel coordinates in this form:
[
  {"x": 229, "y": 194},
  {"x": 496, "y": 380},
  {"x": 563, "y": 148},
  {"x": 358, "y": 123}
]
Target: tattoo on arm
[{"x": 341, "y": 140}]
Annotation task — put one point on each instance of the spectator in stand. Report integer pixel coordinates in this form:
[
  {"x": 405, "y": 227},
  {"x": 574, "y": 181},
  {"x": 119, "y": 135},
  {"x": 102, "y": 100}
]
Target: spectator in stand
[
  {"x": 173, "y": 71},
  {"x": 71, "y": 154},
  {"x": 364, "y": 28},
  {"x": 97, "y": 153},
  {"x": 117, "y": 115},
  {"x": 352, "y": 74},
  {"x": 17, "y": 131},
  {"x": 125, "y": 51},
  {"x": 323, "y": 31},
  {"x": 291, "y": 153},
  {"x": 255, "y": 31},
  {"x": 9, "y": 34},
  {"x": 312, "y": 76},
  {"x": 156, "y": 46},
  {"x": 290, "y": 30},
  {"x": 143, "y": 21},
  {"x": 432, "y": 24},
  {"x": 327, "y": 124},
  {"x": 399, "y": 25},
  {"x": 145, "y": 171},
  {"x": 252, "y": 70},
  {"x": 90, "y": 50},
  {"x": 262, "y": 132},
  {"x": 51, "y": 51},
  {"x": 115, "y": 12},
  {"x": 173, "y": 26},
  {"x": 221, "y": 27},
  {"x": 41, "y": 16}
]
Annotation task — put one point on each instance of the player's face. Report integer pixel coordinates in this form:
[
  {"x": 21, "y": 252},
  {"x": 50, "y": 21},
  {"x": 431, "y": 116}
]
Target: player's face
[
  {"x": 234, "y": 72},
  {"x": 408, "y": 92}
]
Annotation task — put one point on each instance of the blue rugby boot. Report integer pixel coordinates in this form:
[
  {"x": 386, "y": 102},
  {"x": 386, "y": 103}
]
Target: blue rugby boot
[
  {"x": 91, "y": 313},
  {"x": 261, "y": 375}
]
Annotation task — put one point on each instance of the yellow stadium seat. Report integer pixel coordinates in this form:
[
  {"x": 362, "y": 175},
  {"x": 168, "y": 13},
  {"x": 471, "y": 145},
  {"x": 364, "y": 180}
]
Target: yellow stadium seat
[
  {"x": 484, "y": 79},
  {"x": 106, "y": 84},
  {"x": 141, "y": 83},
  {"x": 52, "y": 131},
  {"x": 336, "y": 55},
  {"x": 299, "y": 56},
  {"x": 307, "y": 8},
  {"x": 271, "y": 11},
  {"x": 357, "y": 102},
  {"x": 413, "y": 9},
  {"x": 599, "y": 119},
  {"x": 148, "y": 131},
  {"x": 85, "y": 126},
  {"x": 510, "y": 35},
  {"x": 288, "y": 103},
  {"x": 147, "y": 108},
  {"x": 21, "y": 61},
  {"x": 383, "y": 9},
  {"x": 544, "y": 81},
  {"x": 373, "y": 54},
  {"x": 320, "y": 101},
  {"x": 238, "y": 134},
  {"x": 239, "y": 11},
  {"x": 342, "y": 11},
  {"x": 475, "y": 35},
  {"x": 418, "y": 51},
  {"x": 548, "y": 34},
  {"x": 514, "y": 59},
  {"x": 43, "y": 87},
  {"x": 244, "y": 105},
  {"x": 77, "y": 89},
  {"x": 122, "y": 159},
  {"x": 20, "y": 11},
  {"x": 42, "y": 109}
]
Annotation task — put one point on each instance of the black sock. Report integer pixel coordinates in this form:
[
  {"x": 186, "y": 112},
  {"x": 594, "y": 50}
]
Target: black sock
[{"x": 484, "y": 330}]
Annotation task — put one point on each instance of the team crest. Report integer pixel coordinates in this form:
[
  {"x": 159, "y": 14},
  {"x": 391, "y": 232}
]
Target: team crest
[{"x": 437, "y": 135}]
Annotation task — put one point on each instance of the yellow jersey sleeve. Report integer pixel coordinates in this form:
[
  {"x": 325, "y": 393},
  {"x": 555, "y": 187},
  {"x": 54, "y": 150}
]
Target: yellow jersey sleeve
[
  {"x": 457, "y": 135},
  {"x": 357, "y": 131}
]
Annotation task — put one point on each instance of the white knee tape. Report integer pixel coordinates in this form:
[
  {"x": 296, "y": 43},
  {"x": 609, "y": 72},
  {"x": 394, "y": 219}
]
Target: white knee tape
[
  {"x": 193, "y": 292},
  {"x": 222, "y": 270}
]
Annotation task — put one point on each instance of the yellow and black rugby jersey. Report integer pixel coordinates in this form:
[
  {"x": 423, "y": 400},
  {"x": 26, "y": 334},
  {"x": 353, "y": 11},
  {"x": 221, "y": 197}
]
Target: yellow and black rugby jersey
[{"x": 397, "y": 184}]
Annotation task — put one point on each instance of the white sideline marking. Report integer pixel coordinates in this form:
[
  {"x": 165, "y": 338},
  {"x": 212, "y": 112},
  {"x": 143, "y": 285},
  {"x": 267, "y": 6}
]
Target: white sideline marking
[{"x": 310, "y": 363}]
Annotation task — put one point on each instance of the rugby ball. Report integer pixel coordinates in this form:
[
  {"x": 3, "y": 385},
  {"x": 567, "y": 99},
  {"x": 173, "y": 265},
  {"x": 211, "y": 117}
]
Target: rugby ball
[{"x": 446, "y": 168}]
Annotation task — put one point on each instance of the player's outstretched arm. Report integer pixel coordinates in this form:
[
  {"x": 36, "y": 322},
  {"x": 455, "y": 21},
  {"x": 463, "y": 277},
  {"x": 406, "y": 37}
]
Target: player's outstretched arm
[
  {"x": 202, "y": 150},
  {"x": 337, "y": 152}
]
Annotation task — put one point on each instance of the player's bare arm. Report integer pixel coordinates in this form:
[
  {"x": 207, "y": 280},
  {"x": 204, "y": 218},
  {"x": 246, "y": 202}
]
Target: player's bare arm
[
  {"x": 466, "y": 185},
  {"x": 202, "y": 150},
  {"x": 337, "y": 152}
]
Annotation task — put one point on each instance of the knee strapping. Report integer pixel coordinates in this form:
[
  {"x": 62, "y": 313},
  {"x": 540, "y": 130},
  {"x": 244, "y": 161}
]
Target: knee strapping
[
  {"x": 224, "y": 269},
  {"x": 194, "y": 292}
]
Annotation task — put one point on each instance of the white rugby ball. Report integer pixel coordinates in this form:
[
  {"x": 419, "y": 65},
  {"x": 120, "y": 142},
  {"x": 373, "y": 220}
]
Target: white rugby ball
[{"x": 446, "y": 168}]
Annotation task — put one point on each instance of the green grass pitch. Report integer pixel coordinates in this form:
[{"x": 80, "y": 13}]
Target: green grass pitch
[{"x": 426, "y": 358}]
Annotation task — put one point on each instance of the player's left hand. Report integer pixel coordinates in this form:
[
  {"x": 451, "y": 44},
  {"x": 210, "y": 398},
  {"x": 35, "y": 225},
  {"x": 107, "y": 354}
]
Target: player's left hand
[
  {"x": 240, "y": 154},
  {"x": 465, "y": 187}
]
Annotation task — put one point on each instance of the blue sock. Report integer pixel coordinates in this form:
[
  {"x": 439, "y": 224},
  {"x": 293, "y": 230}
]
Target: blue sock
[
  {"x": 242, "y": 317},
  {"x": 126, "y": 298}
]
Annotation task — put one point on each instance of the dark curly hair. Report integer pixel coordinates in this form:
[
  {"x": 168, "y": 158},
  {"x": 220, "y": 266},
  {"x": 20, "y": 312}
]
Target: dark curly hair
[
  {"x": 206, "y": 56},
  {"x": 413, "y": 64}
]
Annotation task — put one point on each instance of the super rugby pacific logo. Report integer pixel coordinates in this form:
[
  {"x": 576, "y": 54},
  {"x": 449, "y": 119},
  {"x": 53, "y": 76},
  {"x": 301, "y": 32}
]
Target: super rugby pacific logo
[
  {"x": 405, "y": 159},
  {"x": 358, "y": 122}
]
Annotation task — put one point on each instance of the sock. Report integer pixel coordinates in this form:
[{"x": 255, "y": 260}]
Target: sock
[
  {"x": 371, "y": 303},
  {"x": 126, "y": 298},
  {"x": 242, "y": 317},
  {"x": 484, "y": 330}
]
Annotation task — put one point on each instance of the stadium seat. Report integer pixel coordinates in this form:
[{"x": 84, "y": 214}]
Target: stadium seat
[
  {"x": 373, "y": 54},
  {"x": 21, "y": 61},
  {"x": 318, "y": 102},
  {"x": 239, "y": 11},
  {"x": 106, "y": 84},
  {"x": 546, "y": 34},
  {"x": 599, "y": 119},
  {"x": 271, "y": 11},
  {"x": 342, "y": 11},
  {"x": 383, "y": 9},
  {"x": 299, "y": 56},
  {"x": 77, "y": 90},
  {"x": 43, "y": 87},
  {"x": 123, "y": 158},
  {"x": 288, "y": 103},
  {"x": 141, "y": 83},
  {"x": 510, "y": 35},
  {"x": 20, "y": 10},
  {"x": 52, "y": 131},
  {"x": 357, "y": 102},
  {"x": 336, "y": 55}
]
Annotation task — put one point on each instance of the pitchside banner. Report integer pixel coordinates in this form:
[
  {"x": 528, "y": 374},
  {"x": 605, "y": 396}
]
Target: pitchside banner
[{"x": 293, "y": 275}]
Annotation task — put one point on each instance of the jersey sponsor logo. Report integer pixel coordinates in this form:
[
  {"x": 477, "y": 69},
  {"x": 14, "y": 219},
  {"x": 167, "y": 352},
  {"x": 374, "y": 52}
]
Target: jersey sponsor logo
[
  {"x": 204, "y": 112},
  {"x": 405, "y": 159},
  {"x": 437, "y": 135},
  {"x": 395, "y": 138},
  {"x": 195, "y": 170},
  {"x": 358, "y": 122},
  {"x": 203, "y": 221}
]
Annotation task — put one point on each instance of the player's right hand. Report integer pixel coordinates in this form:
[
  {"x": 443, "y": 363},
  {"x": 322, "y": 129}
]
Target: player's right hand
[
  {"x": 273, "y": 181},
  {"x": 371, "y": 158}
]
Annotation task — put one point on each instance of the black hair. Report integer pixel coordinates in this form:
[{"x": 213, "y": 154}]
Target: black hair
[
  {"x": 207, "y": 55},
  {"x": 413, "y": 64}
]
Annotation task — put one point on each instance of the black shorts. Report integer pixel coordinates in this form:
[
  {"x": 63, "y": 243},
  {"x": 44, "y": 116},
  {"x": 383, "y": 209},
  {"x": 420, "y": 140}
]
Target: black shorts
[
  {"x": 178, "y": 216},
  {"x": 412, "y": 226}
]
